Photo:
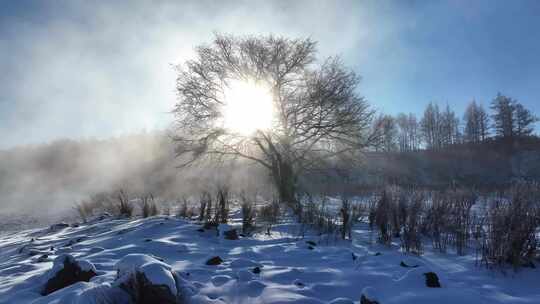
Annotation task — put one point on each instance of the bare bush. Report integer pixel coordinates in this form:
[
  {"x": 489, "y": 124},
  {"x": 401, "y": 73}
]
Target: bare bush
[
  {"x": 461, "y": 229},
  {"x": 268, "y": 215},
  {"x": 222, "y": 209},
  {"x": 436, "y": 223},
  {"x": 410, "y": 217},
  {"x": 209, "y": 218},
  {"x": 346, "y": 222},
  {"x": 358, "y": 210},
  {"x": 183, "y": 209},
  {"x": 381, "y": 218},
  {"x": 124, "y": 206},
  {"x": 512, "y": 221},
  {"x": 248, "y": 213},
  {"x": 315, "y": 215},
  {"x": 205, "y": 202},
  {"x": 148, "y": 206},
  {"x": 85, "y": 209}
]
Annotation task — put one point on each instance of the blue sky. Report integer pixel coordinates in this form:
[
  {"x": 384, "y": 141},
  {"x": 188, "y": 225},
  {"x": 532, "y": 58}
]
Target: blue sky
[{"x": 81, "y": 69}]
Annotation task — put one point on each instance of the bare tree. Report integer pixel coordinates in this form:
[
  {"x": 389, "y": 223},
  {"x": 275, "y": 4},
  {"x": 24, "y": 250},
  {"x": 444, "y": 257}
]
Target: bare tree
[
  {"x": 483, "y": 119},
  {"x": 449, "y": 127},
  {"x": 407, "y": 132},
  {"x": 476, "y": 123},
  {"x": 388, "y": 133},
  {"x": 318, "y": 113},
  {"x": 430, "y": 126}
]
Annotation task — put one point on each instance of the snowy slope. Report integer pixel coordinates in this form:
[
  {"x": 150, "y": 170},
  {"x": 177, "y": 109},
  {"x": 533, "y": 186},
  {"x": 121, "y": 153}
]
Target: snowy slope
[{"x": 290, "y": 271}]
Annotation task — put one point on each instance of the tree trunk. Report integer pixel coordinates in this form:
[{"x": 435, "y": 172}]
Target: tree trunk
[{"x": 285, "y": 182}]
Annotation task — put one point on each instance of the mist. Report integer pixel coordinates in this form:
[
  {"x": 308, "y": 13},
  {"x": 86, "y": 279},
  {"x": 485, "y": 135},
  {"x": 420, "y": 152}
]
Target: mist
[
  {"x": 46, "y": 181},
  {"x": 85, "y": 70}
]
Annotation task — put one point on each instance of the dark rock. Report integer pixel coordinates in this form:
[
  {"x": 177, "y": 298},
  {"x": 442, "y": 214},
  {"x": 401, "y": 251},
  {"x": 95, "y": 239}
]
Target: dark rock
[
  {"x": 42, "y": 258},
  {"x": 354, "y": 256},
  {"x": 148, "y": 240},
  {"x": 200, "y": 230},
  {"x": 67, "y": 271},
  {"x": 432, "y": 280},
  {"x": 312, "y": 243},
  {"x": 311, "y": 247},
  {"x": 214, "y": 261},
  {"x": 366, "y": 300},
  {"x": 256, "y": 270},
  {"x": 210, "y": 226},
  {"x": 403, "y": 264},
  {"x": 103, "y": 216},
  {"x": 230, "y": 235},
  {"x": 158, "y": 258},
  {"x": 143, "y": 291},
  {"x": 74, "y": 241},
  {"x": 369, "y": 296},
  {"x": 58, "y": 226},
  {"x": 378, "y": 254}
]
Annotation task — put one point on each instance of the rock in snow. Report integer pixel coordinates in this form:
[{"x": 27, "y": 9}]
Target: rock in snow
[
  {"x": 369, "y": 296},
  {"x": 147, "y": 280},
  {"x": 432, "y": 280},
  {"x": 134, "y": 261},
  {"x": 214, "y": 261},
  {"x": 230, "y": 235},
  {"x": 66, "y": 271}
]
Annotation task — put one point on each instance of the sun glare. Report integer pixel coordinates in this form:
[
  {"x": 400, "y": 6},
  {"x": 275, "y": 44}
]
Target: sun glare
[{"x": 248, "y": 107}]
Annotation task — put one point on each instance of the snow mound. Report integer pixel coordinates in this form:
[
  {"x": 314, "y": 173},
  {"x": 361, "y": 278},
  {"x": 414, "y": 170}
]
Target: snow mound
[
  {"x": 159, "y": 274},
  {"x": 134, "y": 261}
]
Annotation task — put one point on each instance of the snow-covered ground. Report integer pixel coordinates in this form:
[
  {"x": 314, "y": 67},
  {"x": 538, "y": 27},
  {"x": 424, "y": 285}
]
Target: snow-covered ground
[{"x": 290, "y": 271}]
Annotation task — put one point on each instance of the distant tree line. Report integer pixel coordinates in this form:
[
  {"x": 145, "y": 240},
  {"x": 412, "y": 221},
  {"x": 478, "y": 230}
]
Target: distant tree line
[{"x": 440, "y": 128}]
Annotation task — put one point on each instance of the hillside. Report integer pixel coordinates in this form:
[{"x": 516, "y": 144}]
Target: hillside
[
  {"x": 289, "y": 266},
  {"x": 484, "y": 165}
]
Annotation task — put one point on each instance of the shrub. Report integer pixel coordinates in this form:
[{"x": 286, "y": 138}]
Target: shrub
[
  {"x": 248, "y": 213},
  {"x": 204, "y": 204},
  {"x": 124, "y": 207},
  {"x": 183, "y": 210},
  {"x": 512, "y": 221},
  {"x": 346, "y": 222},
  {"x": 84, "y": 209},
  {"x": 222, "y": 209},
  {"x": 381, "y": 218},
  {"x": 148, "y": 206},
  {"x": 315, "y": 215},
  {"x": 268, "y": 215},
  {"x": 411, "y": 212},
  {"x": 436, "y": 222}
]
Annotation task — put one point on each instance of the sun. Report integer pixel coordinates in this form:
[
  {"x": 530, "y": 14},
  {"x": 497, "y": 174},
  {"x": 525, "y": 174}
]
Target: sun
[{"x": 248, "y": 107}]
